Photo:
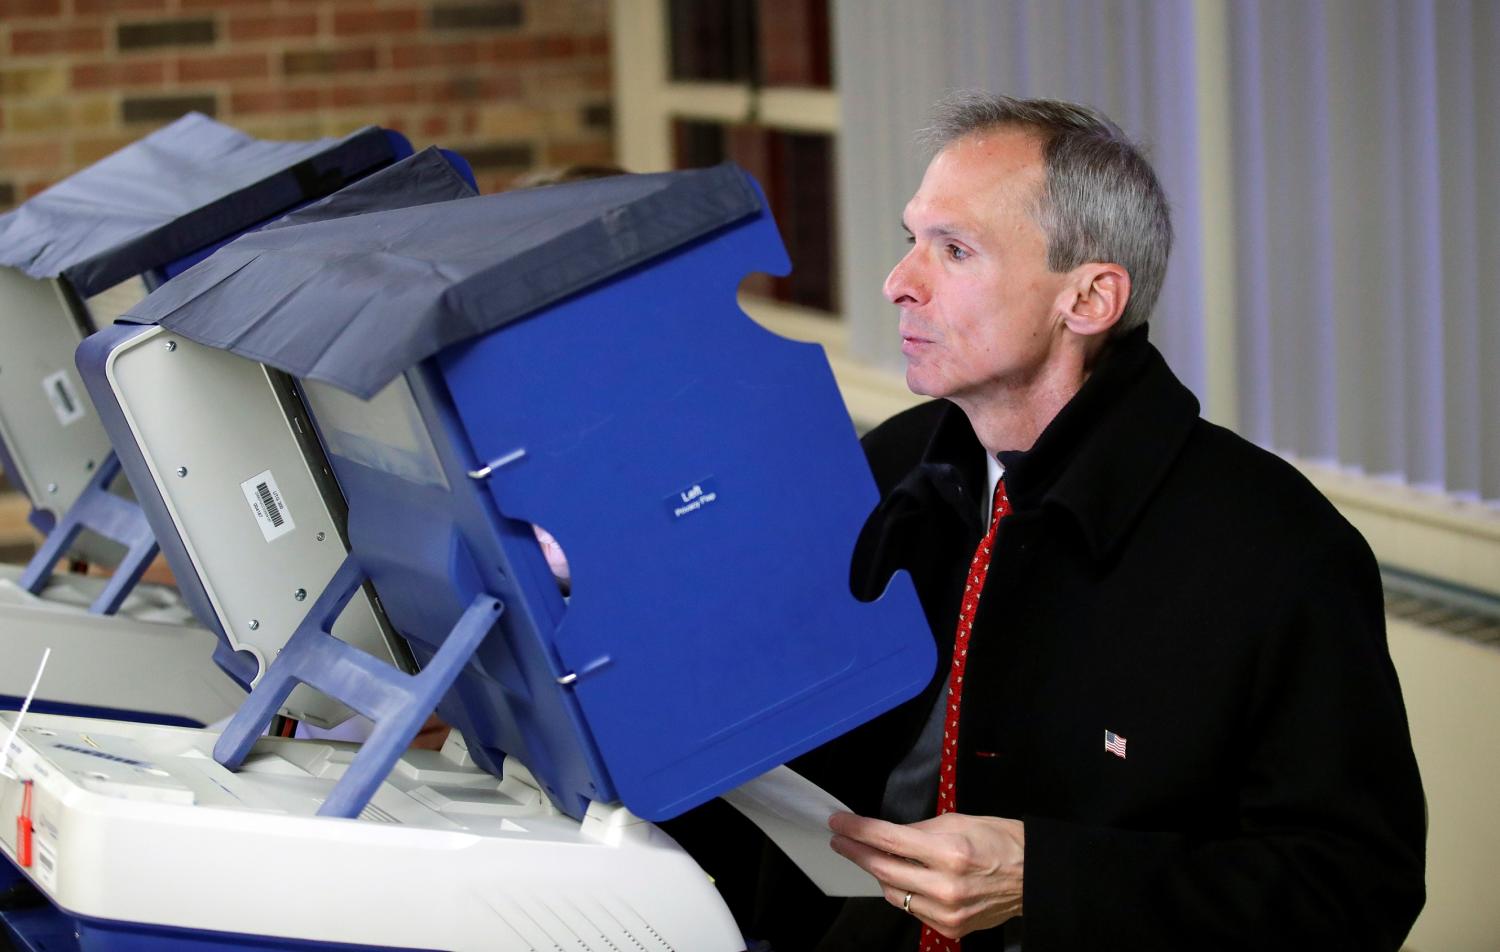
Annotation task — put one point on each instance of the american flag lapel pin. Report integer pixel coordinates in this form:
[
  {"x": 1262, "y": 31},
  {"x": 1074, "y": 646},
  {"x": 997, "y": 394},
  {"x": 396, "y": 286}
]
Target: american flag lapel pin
[{"x": 1115, "y": 744}]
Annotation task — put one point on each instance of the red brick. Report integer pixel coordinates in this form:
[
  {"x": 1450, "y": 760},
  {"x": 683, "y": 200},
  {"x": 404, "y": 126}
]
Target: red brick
[
  {"x": 33, "y": 189},
  {"x": 374, "y": 94},
  {"x": 418, "y": 55},
  {"x": 86, "y": 8},
  {"x": 596, "y": 45},
  {"x": 73, "y": 39},
  {"x": 486, "y": 88},
  {"x": 44, "y": 156},
  {"x": 314, "y": 62},
  {"x": 156, "y": 110},
  {"x": 524, "y": 49},
  {"x": 365, "y": 22},
  {"x": 199, "y": 31},
  {"x": 434, "y": 126},
  {"x": 192, "y": 69},
  {"x": 10, "y": 9},
  {"x": 244, "y": 28},
  {"x": 275, "y": 100},
  {"x": 221, "y": 4},
  {"x": 411, "y": 55},
  {"x": 127, "y": 73}
]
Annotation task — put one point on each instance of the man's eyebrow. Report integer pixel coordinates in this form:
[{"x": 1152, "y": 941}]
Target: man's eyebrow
[{"x": 939, "y": 230}]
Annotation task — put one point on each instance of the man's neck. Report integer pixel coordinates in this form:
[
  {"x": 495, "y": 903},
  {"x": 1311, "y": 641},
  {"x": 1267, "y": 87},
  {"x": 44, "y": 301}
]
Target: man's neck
[{"x": 1010, "y": 416}]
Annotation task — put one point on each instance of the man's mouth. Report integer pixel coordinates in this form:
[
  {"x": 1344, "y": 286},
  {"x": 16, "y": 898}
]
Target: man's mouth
[
  {"x": 911, "y": 344},
  {"x": 911, "y": 338}
]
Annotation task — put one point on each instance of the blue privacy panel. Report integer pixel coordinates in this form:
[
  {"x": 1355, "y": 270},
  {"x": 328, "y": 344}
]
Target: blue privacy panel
[{"x": 706, "y": 483}]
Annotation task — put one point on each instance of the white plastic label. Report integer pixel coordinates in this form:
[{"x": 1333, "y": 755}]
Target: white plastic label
[
  {"x": 64, "y": 398},
  {"x": 692, "y": 499},
  {"x": 44, "y": 863},
  {"x": 271, "y": 513}
]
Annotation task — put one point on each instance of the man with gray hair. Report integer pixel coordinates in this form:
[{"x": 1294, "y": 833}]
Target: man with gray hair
[{"x": 1165, "y": 717}]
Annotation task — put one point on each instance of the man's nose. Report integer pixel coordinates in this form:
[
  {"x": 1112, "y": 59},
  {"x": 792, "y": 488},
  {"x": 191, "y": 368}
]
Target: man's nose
[{"x": 903, "y": 285}]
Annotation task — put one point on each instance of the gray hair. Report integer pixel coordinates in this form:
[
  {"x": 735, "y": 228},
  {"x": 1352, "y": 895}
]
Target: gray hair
[{"x": 1100, "y": 200}]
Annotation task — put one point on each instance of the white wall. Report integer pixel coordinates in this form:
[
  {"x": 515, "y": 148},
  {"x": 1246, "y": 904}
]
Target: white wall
[{"x": 1452, "y": 689}]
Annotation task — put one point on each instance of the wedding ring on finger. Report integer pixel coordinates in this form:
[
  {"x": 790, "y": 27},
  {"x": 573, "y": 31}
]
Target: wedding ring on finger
[{"x": 906, "y": 904}]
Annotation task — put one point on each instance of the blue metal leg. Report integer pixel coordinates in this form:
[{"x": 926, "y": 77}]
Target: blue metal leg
[
  {"x": 398, "y": 703},
  {"x": 267, "y": 697},
  {"x": 110, "y": 516}
]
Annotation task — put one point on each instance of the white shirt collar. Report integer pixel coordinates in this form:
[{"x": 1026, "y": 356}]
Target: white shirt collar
[{"x": 996, "y": 470}]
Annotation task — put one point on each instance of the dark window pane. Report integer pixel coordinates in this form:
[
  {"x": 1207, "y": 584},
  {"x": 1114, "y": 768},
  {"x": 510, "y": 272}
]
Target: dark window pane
[
  {"x": 803, "y": 205},
  {"x": 697, "y": 145},
  {"x": 795, "y": 43},
  {"x": 795, "y": 170},
  {"x": 713, "y": 40}
]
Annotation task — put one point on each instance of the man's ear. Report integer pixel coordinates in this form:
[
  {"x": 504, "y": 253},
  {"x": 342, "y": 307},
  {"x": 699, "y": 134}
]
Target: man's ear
[{"x": 1095, "y": 298}]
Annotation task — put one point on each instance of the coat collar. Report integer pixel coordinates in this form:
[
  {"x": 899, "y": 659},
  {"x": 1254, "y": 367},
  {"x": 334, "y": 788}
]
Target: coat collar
[{"x": 1100, "y": 458}]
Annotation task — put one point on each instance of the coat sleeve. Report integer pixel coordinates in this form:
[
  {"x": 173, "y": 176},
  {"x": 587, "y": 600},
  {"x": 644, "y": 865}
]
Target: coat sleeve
[{"x": 1329, "y": 850}]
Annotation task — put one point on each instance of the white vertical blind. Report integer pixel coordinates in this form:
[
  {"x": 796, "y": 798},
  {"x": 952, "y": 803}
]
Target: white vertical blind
[{"x": 1365, "y": 143}]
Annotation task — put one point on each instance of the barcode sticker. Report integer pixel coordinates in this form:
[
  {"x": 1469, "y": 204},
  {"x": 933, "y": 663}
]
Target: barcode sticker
[
  {"x": 46, "y": 865},
  {"x": 271, "y": 513},
  {"x": 64, "y": 397}
]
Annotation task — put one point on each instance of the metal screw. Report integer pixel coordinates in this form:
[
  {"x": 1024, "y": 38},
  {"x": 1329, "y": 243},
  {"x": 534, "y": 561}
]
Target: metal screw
[
  {"x": 300, "y": 594},
  {"x": 321, "y": 536},
  {"x": 171, "y": 345},
  {"x": 52, "y": 488},
  {"x": 254, "y": 623},
  {"x": 182, "y": 471}
]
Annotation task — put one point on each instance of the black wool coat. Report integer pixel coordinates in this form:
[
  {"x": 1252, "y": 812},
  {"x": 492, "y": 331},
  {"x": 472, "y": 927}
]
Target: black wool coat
[{"x": 1164, "y": 580}]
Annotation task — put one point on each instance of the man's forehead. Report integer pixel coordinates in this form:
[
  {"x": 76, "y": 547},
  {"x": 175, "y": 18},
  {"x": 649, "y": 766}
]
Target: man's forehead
[
  {"x": 1004, "y": 157},
  {"x": 981, "y": 172}
]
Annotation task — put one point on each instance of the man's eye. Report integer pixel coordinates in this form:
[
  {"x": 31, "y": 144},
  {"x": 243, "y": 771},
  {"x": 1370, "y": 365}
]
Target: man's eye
[
  {"x": 911, "y": 239},
  {"x": 957, "y": 253}
]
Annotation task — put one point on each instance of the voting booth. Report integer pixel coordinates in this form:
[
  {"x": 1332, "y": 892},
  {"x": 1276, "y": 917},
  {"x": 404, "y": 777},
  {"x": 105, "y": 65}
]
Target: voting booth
[
  {"x": 70, "y": 258},
  {"x": 142, "y": 214},
  {"x": 457, "y": 373}
]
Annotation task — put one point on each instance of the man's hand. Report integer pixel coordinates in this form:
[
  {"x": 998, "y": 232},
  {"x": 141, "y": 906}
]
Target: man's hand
[{"x": 963, "y": 872}]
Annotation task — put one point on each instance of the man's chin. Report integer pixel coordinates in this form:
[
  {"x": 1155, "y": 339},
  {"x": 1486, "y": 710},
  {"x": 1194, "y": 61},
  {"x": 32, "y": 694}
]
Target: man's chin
[{"x": 917, "y": 385}]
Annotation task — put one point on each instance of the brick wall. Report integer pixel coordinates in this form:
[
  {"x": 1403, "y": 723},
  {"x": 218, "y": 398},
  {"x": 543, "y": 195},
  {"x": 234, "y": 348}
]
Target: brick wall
[{"x": 510, "y": 84}]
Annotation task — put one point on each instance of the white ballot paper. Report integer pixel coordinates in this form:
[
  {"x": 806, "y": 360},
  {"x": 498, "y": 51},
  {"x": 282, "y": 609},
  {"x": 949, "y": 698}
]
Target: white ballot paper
[{"x": 793, "y": 811}]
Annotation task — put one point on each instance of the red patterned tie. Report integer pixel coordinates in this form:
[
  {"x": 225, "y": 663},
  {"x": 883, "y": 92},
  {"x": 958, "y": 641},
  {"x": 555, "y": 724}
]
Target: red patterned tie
[{"x": 979, "y": 570}]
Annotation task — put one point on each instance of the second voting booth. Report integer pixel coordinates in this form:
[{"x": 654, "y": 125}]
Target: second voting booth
[{"x": 67, "y": 258}]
